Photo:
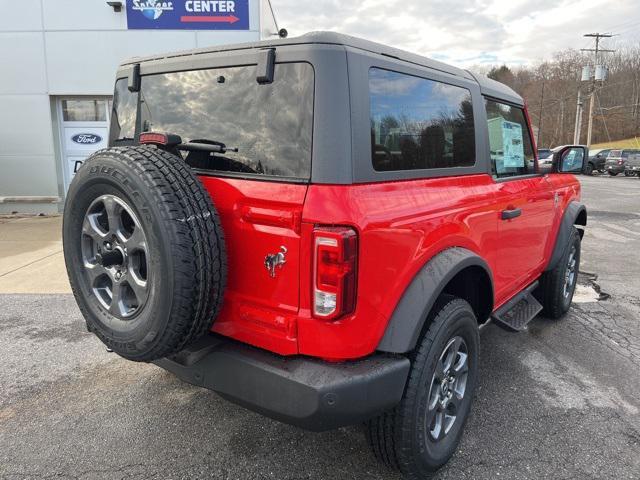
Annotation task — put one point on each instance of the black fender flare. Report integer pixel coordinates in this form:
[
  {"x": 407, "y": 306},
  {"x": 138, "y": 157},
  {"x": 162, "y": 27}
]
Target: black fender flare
[
  {"x": 574, "y": 214},
  {"x": 411, "y": 312}
]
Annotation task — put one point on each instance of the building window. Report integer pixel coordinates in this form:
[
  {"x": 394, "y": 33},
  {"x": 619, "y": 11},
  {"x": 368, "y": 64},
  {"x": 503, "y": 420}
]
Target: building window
[
  {"x": 418, "y": 123},
  {"x": 84, "y": 110}
]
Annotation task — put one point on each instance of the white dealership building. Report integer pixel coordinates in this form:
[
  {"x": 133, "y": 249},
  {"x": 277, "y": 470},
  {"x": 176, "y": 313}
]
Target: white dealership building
[{"x": 59, "y": 59}]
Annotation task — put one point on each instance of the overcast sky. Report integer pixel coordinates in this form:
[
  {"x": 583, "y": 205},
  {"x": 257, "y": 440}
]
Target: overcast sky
[{"x": 468, "y": 32}]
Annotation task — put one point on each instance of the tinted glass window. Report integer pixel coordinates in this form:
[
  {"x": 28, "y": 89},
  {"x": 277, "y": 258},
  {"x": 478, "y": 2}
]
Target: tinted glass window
[
  {"x": 509, "y": 140},
  {"x": 84, "y": 110},
  {"x": 626, "y": 153},
  {"x": 418, "y": 123},
  {"x": 123, "y": 114},
  {"x": 271, "y": 125}
]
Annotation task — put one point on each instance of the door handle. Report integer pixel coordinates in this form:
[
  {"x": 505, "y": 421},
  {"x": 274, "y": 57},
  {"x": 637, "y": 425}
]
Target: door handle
[{"x": 511, "y": 213}]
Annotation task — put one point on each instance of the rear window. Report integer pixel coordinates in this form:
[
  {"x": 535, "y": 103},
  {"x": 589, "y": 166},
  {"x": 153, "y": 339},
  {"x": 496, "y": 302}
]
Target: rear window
[
  {"x": 418, "y": 123},
  {"x": 271, "y": 125},
  {"x": 615, "y": 154}
]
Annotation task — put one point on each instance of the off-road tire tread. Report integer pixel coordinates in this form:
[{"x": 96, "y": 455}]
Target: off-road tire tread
[
  {"x": 550, "y": 291},
  {"x": 196, "y": 242},
  {"x": 385, "y": 432}
]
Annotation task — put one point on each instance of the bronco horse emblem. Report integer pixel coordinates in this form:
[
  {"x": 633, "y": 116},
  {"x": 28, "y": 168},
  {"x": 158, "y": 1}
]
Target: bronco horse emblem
[{"x": 275, "y": 260}]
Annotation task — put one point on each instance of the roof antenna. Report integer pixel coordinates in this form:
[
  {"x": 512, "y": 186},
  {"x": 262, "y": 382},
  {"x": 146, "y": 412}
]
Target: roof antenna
[{"x": 280, "y": 32}]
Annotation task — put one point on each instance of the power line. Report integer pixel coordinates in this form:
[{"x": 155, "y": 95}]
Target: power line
[
  {"x": 627, "y": 28},
  {"x": 623, "y": 24}
]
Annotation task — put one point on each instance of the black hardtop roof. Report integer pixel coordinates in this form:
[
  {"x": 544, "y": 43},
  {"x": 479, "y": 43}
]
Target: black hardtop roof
[{"x": 488, "y": 86}]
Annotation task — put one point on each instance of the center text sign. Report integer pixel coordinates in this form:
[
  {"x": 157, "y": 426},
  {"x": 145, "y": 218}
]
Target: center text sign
[{"x": 188, "y": 14}]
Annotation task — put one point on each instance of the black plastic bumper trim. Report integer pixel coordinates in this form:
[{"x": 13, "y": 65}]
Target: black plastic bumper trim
[{"x": 301, "y": 391}]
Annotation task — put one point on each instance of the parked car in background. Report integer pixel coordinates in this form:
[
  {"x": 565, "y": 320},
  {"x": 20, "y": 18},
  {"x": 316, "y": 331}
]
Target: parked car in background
[
  {"x": 544, "y": 153},
  {"x": 545, "y": 156},
  {"x": 617, "y": 159},
  {"x": 596, "y": 161},
  {"x": 632, "y": 165}
]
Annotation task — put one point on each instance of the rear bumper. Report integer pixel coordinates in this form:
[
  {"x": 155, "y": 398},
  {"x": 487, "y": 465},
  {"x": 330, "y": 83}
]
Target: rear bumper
[
  {"x": 614, "y": 168},
  {"x": 305, "y": 392}
]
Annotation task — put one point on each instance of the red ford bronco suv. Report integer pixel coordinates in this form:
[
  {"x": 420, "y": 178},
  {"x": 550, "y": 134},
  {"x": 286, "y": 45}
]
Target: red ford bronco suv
[{"x": 315, "y": 228}]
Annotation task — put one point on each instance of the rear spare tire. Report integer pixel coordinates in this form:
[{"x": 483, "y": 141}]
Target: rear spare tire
[{"x": 144, "y": 251}]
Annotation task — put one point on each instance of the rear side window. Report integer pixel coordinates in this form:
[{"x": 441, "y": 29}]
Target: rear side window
[
  {"x": 418, "y": 123},
  {"x": 271, "y": 125},
  {"x": 123, "y": 115},
  {"x": 509, "y": 140}
]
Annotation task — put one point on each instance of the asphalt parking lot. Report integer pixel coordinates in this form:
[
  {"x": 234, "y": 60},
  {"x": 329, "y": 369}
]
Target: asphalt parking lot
[{"x": 561, "y": 400}]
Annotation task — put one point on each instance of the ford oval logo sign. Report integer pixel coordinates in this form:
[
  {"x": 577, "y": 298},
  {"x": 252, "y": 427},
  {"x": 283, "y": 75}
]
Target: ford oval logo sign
[{"x": 86, "y": 138}]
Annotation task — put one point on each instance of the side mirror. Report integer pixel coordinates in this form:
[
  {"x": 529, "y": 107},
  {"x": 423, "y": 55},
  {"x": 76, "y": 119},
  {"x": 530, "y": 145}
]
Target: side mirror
[{"x": 570, "y": 159}]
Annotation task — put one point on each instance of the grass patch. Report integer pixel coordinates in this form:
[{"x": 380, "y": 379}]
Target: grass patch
[{"x": 627, "y": 143}]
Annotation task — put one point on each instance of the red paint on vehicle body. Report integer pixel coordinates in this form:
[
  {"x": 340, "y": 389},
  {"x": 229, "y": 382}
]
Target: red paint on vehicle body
[
  {"x": 400, "y": 226},
  {"x": 257, "y": 219}
]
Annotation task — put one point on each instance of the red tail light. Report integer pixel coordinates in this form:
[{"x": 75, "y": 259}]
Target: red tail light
[
  {"x": 335, "y": 271},
  {"x": 620, "y": 162},
  {"x": 154, "y": 138},
  {"x": 160, "y": 139}
]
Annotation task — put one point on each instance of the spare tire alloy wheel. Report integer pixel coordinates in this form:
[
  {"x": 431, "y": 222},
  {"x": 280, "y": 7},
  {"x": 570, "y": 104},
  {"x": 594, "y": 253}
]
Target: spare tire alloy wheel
[
  {"x": 144, "y": 251},
  {"x": 114, "y": 251}
]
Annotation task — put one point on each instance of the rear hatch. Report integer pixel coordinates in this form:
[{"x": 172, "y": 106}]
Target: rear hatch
[
  {"x": 614, "y": 158},
  {"x": 259, "y": 190}
]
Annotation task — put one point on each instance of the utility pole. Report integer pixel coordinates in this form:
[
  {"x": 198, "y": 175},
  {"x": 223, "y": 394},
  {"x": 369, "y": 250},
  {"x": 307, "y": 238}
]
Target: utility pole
[
  {"x": 596, "y": 51},
  {"x": 578, "y": 127},
  {"x": 540, "y": 117},
  {"x": 562, "y": 137}
]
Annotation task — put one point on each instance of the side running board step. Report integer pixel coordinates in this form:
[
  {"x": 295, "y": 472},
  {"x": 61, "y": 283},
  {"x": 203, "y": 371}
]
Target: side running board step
[{"x": 519, "y": 311}]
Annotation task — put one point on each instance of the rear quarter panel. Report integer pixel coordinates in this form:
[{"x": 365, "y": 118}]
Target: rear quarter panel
[{"x": 401, "y": 225}]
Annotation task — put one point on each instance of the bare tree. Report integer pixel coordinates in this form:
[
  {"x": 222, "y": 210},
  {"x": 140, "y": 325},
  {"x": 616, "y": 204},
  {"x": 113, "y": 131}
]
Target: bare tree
[{"x": 617, "y": 112}]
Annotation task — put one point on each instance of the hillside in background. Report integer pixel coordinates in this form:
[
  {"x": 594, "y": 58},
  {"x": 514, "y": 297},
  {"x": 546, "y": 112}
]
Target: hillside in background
[
  {"x": 626, "y": 143},
  {"x": 551, "y": 91}
]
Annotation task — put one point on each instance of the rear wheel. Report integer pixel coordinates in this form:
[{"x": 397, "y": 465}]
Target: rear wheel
[
  {"x": 423, "y": 431},
  {"x": 144, "y": 251}
]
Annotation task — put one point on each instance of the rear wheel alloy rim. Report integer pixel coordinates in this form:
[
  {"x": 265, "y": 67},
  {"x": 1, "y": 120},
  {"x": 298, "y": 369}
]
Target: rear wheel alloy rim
[
  {"x": 448, "y": 387},
  {"x": 570, "y": 274},
  {"x": 115, "y": 257}
]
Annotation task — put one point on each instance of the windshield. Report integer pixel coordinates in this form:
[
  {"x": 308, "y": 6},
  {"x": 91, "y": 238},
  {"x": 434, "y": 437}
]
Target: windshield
[{"x": 271, "y": 125}]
